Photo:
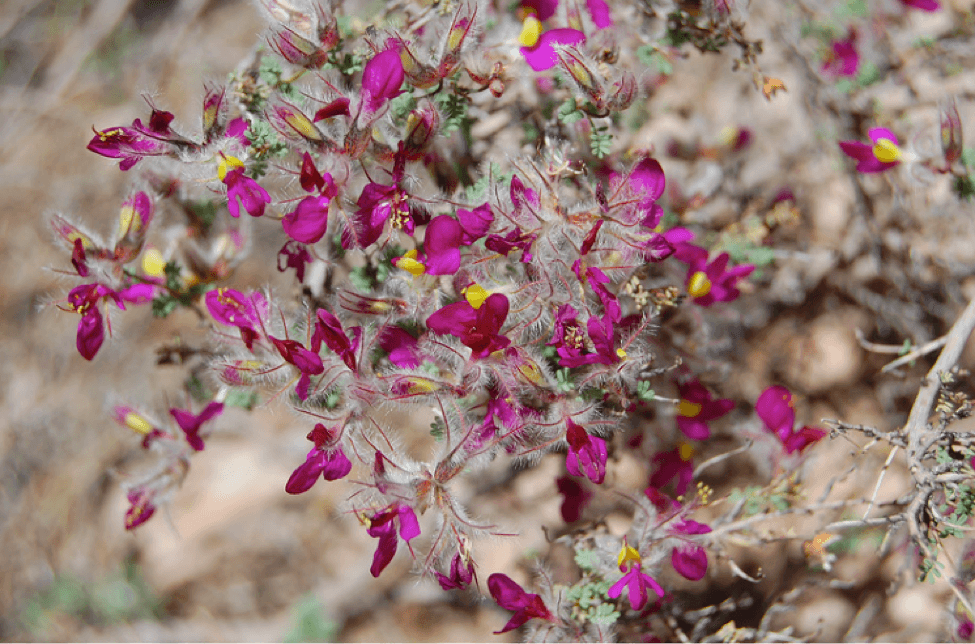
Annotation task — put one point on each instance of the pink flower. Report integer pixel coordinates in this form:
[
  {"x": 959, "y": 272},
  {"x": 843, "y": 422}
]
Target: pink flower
[
  {"x": 690, "y": 560},
  {"x": 474, "y": 223},
  {"x": 843, "y": 59},
  {"x": 296, "y": 256},
  {"x": 441, "y": 249},
  {"x": 326, "y": 459},
  {"x": 126, "y": 144},
  {"x": 712, "y": 282},
  {"x": 401, "y": 347},
  {"x": 329, "y": 330},
  {"x": 190, "y": 423},
  {"x": 696, "y": 408},
  {"x": 774, "y": 406},
  {"x": 141, "y": 508},
  {"x": 242, "y": 190},
  {"x": 586, "y": 451},
  {"x": 511, "y": 596},
  {"x": 541, "y": 54},
  {"x": 308, "y": 222},
  {"x": 382, "y": 78},
  {"x": 378, "y": 203},
  {"x": 576, "y": 498},
  {"x": 308, "y": 363},
  {"x": 674, "y": 464},
  {"x": 514, "y": 240},
  {"x": 382, "y": 526},
  {"x": 478, "y": 328},
  {"x": 882, "y": 155},
  {"x": 461, "y": 573},
  {"x": 232, "y": 308},
  {"x": 923, "y": 5},
  {"x": 634, "y": 581}
]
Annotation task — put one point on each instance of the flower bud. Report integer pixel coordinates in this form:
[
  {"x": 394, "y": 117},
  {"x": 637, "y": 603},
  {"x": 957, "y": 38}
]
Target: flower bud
[
  {"x": 134, "y": 220},
  {"x": 214, "y": 114},
  {"x": 293, "y": 120},
  {"x": 298, "y": 50},
  {"x": 422, "y": 125},
  {"x": 951, "y": 133},
  {"x": 625, "y": 92},
  {"x": 572, "y": 62}
]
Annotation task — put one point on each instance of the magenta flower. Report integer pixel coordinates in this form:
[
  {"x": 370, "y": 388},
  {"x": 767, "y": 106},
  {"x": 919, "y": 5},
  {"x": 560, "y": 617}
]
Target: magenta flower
[
  {"x": 328, "y": 329},
  {"x": 336, "y": 107},
  {"x": 296, "y": 256},
  {"x": 382, "y": 526},
  {"x": 599, "y": 11},
  {"x": 474, "y": 223},
  {"x": 141, "y": 508},
  {"x": 126, "y": 144},
  {"x": 923, "y": 5},
  {"x": 541, "y": 54},
  {"x": 242, "y": 190},
  {"x": 576, "y": 498},
  {"x": 326, "y": 459},
  {"x": 570, "y": 341},
  {"x": 842, "y": 59},
  {"x": 511, "y": 596},
  {"x": 712, "y": 282},
  {"x": 674, "y": 464},
  {"x": 514, "y": 240},
  {"x": 308, "y": 363},
  {"x": 775, "y": 407},
  {"x": 441, "y": 249},
  {"x": 477, "y": 328},
  {"x": 307, "y": 223},
  {"x": 382, "y": 78},
  {"x": 401, "y": 347},
  {"x": 635, "y": 581},
  {"x": 882, "y": 155},
  {"x": 233, "y": 308},
  {"x": 190, "y": 423},
  {"x": 690, "y": 560},
  {"x": 541, "y": 9},
  {"x": 84, "y": 299},
  {"x": 586, "y": 451},
  {"x": 91, "y": 333},
  {"x": 696, "y": 408},
  {"x": 646, "y": 183},
  {"x": 378, "y": 203},
  {"x": 461, "y": 573}
]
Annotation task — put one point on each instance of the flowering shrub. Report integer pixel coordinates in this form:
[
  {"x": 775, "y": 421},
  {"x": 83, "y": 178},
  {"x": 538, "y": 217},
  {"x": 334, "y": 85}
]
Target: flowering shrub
[{"x": 521, "y": 306}]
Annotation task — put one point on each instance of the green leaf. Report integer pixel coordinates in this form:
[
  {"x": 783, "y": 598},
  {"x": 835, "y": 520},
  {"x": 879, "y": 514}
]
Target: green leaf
[
  {"x": 244, "y": 398},
  {"x": 310, "y": 623},
  {"x": 163, "y": 305},
  {"x": 600, "y": 142},
  {"x": 569, "y": 112},
  {"x": 587, "y": 559}
]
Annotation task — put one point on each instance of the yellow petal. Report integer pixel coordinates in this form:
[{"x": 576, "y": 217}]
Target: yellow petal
[
  {"x": 475, "y": 294},
  {"x": 886, "y": 151},
  {"x": 699, "y": 284},
  {"x": 531, "y": 30}
]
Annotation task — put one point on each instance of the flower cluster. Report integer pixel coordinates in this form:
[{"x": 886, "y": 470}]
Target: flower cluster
[{"x": 503, "y": 300}]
